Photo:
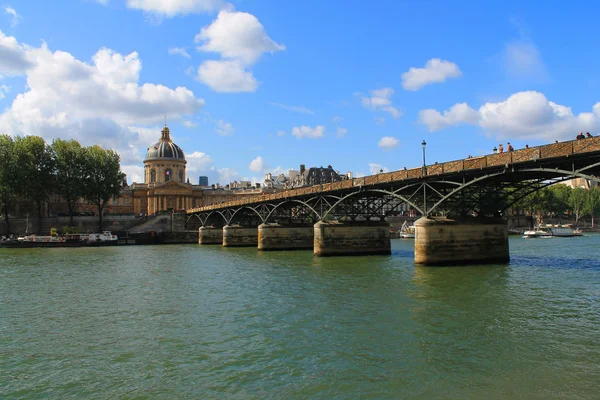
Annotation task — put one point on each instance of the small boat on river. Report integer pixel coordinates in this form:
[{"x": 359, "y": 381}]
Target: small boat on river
[
  {"x": 549, "y": 231},
  {"x": 105, "y": 238},
  {"x": 406, "y": 231}
]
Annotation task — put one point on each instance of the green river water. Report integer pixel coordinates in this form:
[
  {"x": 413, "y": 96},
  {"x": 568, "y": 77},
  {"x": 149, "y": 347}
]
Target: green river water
[{"x": 204, "y": 322}]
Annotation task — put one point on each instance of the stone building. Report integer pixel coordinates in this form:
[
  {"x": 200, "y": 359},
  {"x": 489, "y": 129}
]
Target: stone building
[{"x": 312, "y": 176}]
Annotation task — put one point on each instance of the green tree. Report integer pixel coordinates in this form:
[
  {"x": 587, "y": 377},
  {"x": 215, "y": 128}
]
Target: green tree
[
  {"x": 9, "y": 177},
  {"x": 577, "y": 202},
  {"x": 592, "y": 205},
  {"x": 36, "y": 161},
  {"x": 69, "y": 172},
  {"x": 103, "y": 177},
  {"x": 559, "y": 202}
]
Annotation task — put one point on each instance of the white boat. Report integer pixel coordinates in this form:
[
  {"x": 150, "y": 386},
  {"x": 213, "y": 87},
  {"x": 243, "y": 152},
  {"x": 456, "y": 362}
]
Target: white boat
[
  {"x": 406, "y": 231},
  {"x": 105, "y": 236},
  {"x": 552, "y": 231}
]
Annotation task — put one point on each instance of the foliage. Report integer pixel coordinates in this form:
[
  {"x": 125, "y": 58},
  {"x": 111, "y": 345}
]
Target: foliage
[
  {"x": 592, "y": 205},
  {"x": 577, "y": 201},
  {"x": 36, "y": 163},
  {"x": 103, "y": 177},
  {"x": 9, "y": 177},
  {"x": 69, "y": 158}
]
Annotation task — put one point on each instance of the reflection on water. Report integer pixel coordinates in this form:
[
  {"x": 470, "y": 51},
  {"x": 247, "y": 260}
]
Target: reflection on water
[{"x": 210, "y": 322}]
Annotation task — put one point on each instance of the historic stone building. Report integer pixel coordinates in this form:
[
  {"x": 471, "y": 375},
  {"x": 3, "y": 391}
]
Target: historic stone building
[{"x": 165, "y": 184}]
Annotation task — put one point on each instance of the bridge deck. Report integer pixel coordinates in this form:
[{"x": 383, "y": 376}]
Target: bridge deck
[{"x": 532, "y": 155}]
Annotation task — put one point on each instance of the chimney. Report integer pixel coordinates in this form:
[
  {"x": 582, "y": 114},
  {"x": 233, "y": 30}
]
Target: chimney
[{"x": 302, "y": 168}]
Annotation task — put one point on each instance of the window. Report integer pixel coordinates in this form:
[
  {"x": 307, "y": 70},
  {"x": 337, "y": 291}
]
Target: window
[
  {"x": 167, "y": 175},
  {"x": 181, "y": 176},
  {"x": 153, "y": 176}
]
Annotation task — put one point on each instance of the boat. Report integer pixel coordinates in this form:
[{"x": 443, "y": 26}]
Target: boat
[
  {"x": 105, "y": 238},
  {"x": 549, "y": 230},
  {"x": 406, "y": 231}
]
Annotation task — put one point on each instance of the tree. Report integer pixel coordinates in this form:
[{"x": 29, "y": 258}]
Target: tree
[
  {"x": 36, "y": 160},
  {"x": 69, "y": 172},
  {"x": 592, "y": 205},
  {"x": 102, "y": 176},
  {"x": 577, "y": 202},
  {"x": 559, "y": 203},
  {"x": 9, "y": 177}
]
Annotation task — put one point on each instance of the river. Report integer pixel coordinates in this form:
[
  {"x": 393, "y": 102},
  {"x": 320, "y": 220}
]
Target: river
[{"x": 205, "y": 322}]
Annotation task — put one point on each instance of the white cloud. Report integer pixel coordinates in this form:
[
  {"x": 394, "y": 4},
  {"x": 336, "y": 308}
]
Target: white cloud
[
  {"x": 298, "y": 109},
  {"x": 171, "y": 8},
  {"x": 341, "y": 131},
  {"x": 237, "y": 35},
  {"x": 436, "y": 71},
  {"x": 308, "y": 132},
  {"x": 13, "y": 56},
  {"x": 524, "y": 114},
  {"x": 179, "y": 50},
  {"x": 381, "y": 100},
  {"x": 522, "y": 59},
  {"x": 102, "y": 2},
  {"x": 224, "y": 128},
  {"x": 189, "y": 124},
  {"x": 376, "y": 168},
  {"x": 280, "y": 133},
  {"x": 336, "y": 119},
  {"x": 387, "y": 142},
  {"x": 258, "y": 165},
  {"x": 240, "y": 40},
  {"x": 135, "y": 173},
  {"x": 3, "y": 91},
  {"x": 379, "y": 120},
  {"x": 459, "y": 113},
  {"x": 226, "y": 76},
  {"x": 101, "y": 102},
  {"x": 14, "y": 16}
]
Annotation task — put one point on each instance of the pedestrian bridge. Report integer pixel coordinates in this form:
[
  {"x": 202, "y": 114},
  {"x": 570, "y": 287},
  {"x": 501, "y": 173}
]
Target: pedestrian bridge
[{"x": 481, "y": 187}]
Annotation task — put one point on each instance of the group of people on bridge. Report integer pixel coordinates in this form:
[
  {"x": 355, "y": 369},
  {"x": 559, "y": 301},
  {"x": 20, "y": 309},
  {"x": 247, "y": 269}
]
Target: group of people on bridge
[{"x": 581, "y": 136}]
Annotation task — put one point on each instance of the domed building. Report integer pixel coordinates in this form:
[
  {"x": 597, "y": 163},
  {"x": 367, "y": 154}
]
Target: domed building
[
  {"x": 166, "y": 187},
  {"x": 164, "y": 161}
]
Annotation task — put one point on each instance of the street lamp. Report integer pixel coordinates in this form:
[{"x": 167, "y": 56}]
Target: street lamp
[
  {"x": 495, "y": 150},
  {"x": 423, "y": 145}
]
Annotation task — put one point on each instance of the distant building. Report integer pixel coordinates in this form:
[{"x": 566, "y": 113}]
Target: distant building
[
  {"x": 312, "y": 176},
  {"x": 203, "y": 180}
]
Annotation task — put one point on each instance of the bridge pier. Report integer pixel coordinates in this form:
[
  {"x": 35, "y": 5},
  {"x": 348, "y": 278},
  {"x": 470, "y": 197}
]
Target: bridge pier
[
  {"x": 240, "y": 236},
  {"x": 285, "y": 237},
  {"x": 210, "y": 235},
  {"x": 446, "y": 241},
  {"x": 351, "y": 238}
]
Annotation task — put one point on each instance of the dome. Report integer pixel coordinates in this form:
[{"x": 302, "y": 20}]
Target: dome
[{"x": 165, "y": 149}]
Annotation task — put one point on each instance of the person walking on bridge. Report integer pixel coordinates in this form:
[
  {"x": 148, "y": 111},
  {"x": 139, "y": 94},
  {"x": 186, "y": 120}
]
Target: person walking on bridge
[
  {"x": 580, "y": 136},
  {"x": 510, "y": 147},
  {"x": 500, "y": 148}
]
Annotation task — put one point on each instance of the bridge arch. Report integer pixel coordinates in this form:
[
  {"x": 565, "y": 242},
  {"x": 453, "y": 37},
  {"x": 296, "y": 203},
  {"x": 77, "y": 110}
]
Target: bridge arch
[
  {"x": 245, "y": 208},
  {"x": 288, "y": 202},
  {"x": 363, "y": 192}
]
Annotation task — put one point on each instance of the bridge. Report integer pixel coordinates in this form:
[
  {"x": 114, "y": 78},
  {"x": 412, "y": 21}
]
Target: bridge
[{"x": 461, "y": 202}]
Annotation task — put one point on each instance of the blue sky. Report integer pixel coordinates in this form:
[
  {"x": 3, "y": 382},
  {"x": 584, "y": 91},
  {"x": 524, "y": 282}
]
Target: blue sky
[{"x": 250, "y": 87}]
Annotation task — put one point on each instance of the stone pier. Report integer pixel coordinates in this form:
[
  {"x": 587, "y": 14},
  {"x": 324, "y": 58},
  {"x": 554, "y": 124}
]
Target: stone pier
[
  {"x": 240, "y": 236},
  {"x": 351, "y": 238},
  {"x": 210, "y": 235},
  {"x": 285, "y": 237},
  {"x": 446, "y": 241}
]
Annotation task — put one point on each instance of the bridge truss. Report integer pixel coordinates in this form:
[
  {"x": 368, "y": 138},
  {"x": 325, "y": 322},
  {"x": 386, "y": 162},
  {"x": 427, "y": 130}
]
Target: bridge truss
[{"x": 485, "y": 191}]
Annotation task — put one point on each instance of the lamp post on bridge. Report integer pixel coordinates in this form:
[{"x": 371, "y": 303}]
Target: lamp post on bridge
[{"x": 423, "y": 145}]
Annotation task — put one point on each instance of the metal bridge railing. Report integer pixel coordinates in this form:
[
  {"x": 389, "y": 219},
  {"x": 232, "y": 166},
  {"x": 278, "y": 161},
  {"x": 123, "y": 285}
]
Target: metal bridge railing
[{"x": 548, "y": 151}]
